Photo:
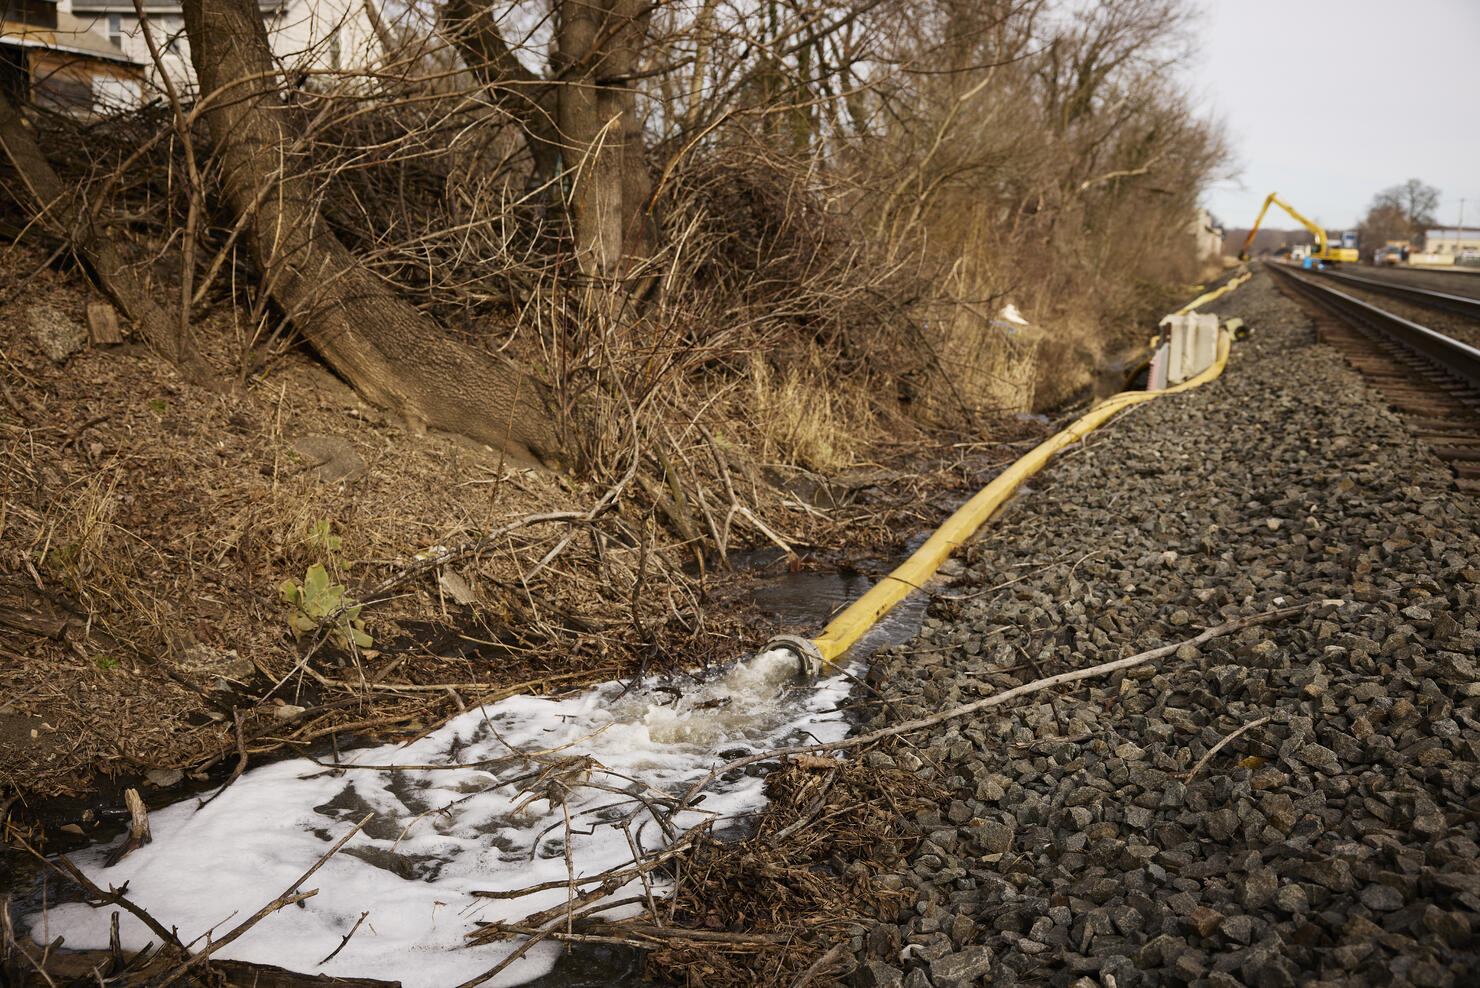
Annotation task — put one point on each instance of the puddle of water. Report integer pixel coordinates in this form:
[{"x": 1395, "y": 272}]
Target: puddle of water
[
  {"x": 803, "y": 603},
  {"x": 481, "y": 804}
]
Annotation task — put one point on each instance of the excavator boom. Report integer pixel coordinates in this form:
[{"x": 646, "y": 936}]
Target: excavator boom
[{"x": 1324, "y": 250}]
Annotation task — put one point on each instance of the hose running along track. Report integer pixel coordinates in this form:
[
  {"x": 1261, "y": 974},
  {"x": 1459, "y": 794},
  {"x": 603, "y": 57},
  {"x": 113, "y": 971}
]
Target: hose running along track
[
  {"x": 1431, "y": 380},
  {"x": 850, "y": 625}
]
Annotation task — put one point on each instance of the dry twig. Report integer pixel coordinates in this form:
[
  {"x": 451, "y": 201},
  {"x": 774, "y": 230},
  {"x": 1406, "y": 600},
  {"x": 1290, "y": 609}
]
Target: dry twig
[
  {"x": 998, "y": 699},
  {"x": 1219, "y": 746},
  {"x": 289, "y": 896}
]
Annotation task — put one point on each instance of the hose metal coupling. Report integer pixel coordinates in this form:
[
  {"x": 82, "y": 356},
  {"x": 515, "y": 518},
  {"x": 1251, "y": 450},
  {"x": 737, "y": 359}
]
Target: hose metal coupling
[{"x": 809, "y": 656}]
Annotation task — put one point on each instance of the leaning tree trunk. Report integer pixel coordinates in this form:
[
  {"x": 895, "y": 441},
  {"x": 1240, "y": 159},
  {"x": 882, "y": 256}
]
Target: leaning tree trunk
[
  {"x": 63, "y": 210},
  {"x": 388, "y": 350}
]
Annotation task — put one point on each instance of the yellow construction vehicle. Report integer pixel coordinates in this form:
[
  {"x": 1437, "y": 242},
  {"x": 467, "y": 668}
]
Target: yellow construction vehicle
[{"x": 1324, "y": 252}]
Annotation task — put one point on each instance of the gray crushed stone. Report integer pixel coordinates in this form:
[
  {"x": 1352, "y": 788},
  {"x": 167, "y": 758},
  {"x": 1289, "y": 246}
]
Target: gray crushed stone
[{"x": 1336, "y": 843}]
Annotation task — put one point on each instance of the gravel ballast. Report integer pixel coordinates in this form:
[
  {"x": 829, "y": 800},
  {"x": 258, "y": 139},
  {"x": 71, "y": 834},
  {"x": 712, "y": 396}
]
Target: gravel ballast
[{"x": 1335, "y": 840}]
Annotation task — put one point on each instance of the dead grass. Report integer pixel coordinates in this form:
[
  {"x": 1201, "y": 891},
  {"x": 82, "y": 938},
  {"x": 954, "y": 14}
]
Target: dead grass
[
  {"x": 161, "y": 519},
  {"x": 801, "y": 419},
  {"x": 806, "y": 879}
]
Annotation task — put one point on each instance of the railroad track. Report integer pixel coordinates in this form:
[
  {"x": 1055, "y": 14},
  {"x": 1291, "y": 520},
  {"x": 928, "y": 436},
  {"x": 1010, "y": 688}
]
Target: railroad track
[
  {"x": 1429, "y": 379},
  {"x": 1460, "y": 305}
]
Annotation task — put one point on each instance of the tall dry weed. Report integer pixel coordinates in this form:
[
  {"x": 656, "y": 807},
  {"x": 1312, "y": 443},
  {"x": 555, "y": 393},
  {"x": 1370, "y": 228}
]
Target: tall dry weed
[
  {"x": 802, "y": 418},
  {"x": 83, "y": 544}
]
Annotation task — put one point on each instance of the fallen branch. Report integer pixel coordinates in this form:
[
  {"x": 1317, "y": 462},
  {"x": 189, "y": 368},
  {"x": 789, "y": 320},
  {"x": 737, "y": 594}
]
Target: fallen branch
[
  {"x": 33, "y": 622},
  {"x": 642, "y": 934},
  {"x": 492, "y": 972},
  {"x": 534, "y": 923},
  {"x": 335, "y": 952},
  {"x": 241, "y": 761},
  {"x": 664, "y": 933},
  {"x": 998, "y": 699},
  {"x": 766, "y": 530},
  {"x": 138, "y": 830},
  {"x": 613, "y": 878},
  {"x": 519, "y": 929},
  {"x": 65, "y": 867},
  {"x": 815, "y": 968}
]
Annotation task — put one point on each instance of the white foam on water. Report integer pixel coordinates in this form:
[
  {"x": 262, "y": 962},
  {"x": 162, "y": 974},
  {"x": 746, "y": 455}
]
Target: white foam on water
[{"x": 439, "y": 834}]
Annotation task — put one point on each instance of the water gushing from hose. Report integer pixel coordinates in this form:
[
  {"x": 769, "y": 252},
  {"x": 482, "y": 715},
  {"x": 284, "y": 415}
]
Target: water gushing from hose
[{"x": 489, "y": 801}]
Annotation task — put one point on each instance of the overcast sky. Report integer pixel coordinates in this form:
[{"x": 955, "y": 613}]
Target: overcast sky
[{"x": 1329, "y": 103}]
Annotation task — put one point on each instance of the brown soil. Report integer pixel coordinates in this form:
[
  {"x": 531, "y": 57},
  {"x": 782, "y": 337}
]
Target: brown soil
[{"x": 147, "y": 526}]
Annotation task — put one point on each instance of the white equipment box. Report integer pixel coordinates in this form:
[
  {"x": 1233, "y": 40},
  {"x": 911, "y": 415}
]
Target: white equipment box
[{"x": 1192, "y": 345}]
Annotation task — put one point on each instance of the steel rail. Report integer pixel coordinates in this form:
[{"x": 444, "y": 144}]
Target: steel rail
[
  {"x": 1457, "y": 304},
  {"x": 1458, "y": 359}
]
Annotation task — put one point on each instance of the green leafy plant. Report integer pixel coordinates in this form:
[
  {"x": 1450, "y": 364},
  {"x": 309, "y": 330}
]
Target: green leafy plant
[
  {"x": 316, "y": 599},
  {"x": 319, "y": 538},
  {"x": 105, "y": 662},
  {"x": 159, "y": 405},
  {"x": 59, "y": 557}
]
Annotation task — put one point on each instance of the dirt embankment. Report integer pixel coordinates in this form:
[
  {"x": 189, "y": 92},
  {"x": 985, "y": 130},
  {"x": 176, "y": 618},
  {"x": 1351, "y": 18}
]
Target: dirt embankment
[{"x": 154, "y": 537}]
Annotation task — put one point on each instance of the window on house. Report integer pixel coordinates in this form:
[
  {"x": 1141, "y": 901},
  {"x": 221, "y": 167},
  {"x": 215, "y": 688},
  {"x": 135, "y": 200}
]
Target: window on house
[
  {"x": 173, "y": 28},
  {"x": 335, "y": 53},
  {"x": 115, "y": 30},
  {"x": 36, "y": 13}
]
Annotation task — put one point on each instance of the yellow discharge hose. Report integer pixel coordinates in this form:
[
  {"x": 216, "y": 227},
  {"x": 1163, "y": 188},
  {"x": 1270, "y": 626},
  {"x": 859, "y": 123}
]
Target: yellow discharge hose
[
  {"x": 1207, "y": 297},
  {"x": 862, "y": 614}
]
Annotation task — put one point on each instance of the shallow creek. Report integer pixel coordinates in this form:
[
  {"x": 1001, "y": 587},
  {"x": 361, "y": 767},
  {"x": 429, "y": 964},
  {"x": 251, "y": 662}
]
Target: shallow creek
[{"x": 488, "y": 802}]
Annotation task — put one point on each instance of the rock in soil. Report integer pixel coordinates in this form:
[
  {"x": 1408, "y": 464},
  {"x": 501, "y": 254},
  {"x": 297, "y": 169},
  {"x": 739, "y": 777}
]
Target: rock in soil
[{"x": 58, "y": 335}]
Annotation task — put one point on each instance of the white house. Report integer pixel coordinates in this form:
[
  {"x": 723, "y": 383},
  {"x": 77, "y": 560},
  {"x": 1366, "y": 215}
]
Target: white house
[
  {"x": 327, "y": 40},
  {"x": 1208, "y": 237},
  {"x": 56, "y": 61}
]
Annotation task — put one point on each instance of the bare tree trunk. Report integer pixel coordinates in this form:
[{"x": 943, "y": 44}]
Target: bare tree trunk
[
  {"x": 62, "y": 211},
  {"x": 581, "y": 123},
  {"x": 393, "y": 354},
  {"x": 528, "y": 98},
  {"x": 599, "y": 42}
]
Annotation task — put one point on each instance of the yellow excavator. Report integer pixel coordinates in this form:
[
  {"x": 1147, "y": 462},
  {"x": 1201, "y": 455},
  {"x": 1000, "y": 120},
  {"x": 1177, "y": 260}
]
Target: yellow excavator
[{"x": 1324, "y": 252}]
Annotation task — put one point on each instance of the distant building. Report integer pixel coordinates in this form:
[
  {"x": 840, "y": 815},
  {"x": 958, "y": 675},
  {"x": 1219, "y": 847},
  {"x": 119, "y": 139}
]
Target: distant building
[
  {"x": 54, "y": 60},
  {"x": 307, "y": 36},
  {"x": 1208, "y": 237},
  {"x": 1451, "y": 240}
]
